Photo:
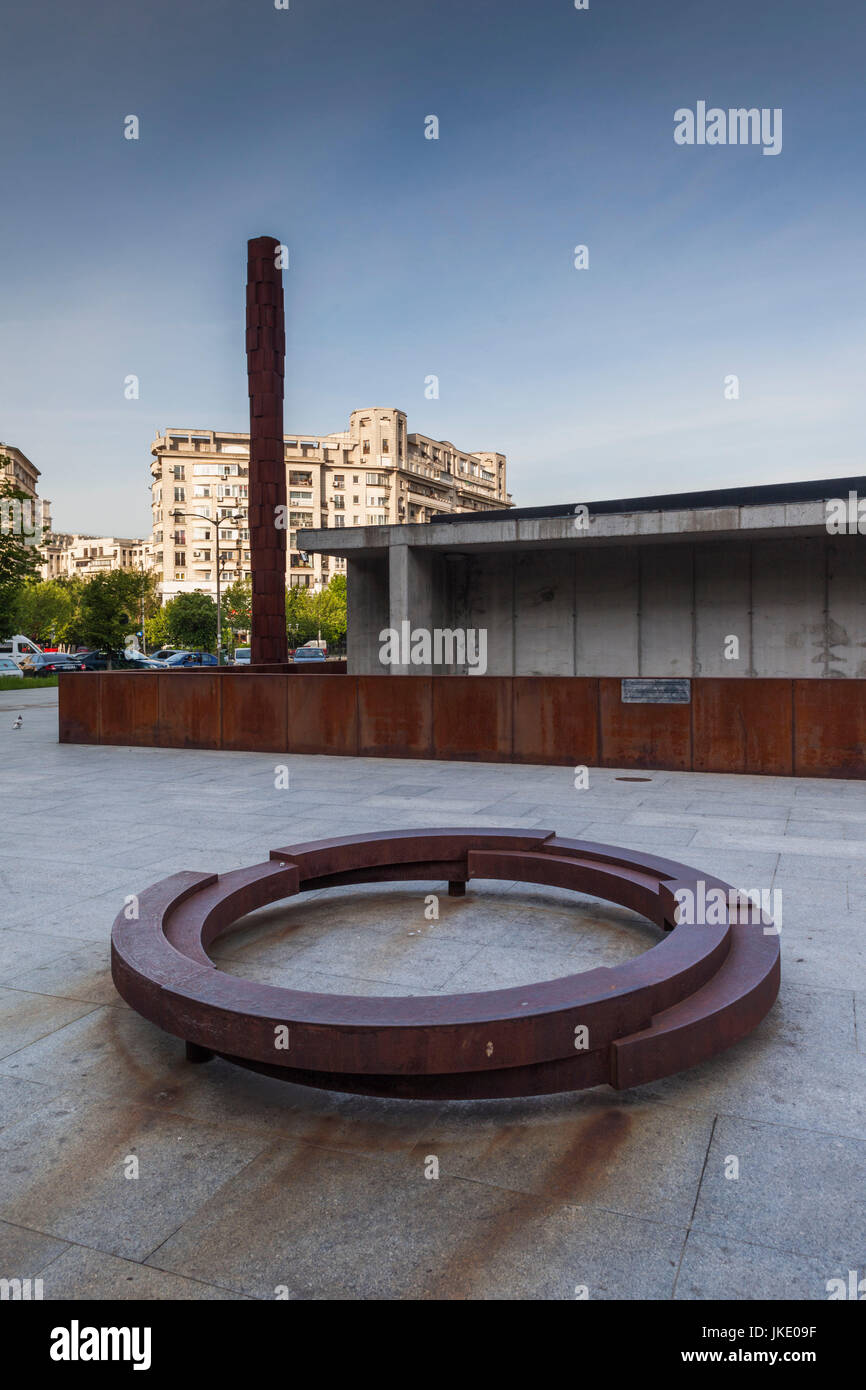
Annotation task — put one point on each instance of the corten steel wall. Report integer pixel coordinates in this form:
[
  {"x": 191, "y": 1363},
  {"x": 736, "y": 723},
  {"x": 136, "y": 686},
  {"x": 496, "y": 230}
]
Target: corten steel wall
[
  {"x": 266, "y": 346},
  {"x": 804, "y": 728}
]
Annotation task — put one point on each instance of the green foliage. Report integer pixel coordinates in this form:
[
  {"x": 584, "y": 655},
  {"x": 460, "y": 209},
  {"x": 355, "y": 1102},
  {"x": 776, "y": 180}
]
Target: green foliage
[
  {"x": 311, "y": 615},
  {"x": 299, "y": 620},
  {"x": 156, "y": 630},
  {"x": 26, "y": 682},
  {"x": 47, "y": 608},
  {"x": 192, "y": 621},
  {"x": 237, "y": 604},
  {"x": 20, "y": 557},
  {"x": 329, "y": 610},
  {"x": 110, "y": 607}
]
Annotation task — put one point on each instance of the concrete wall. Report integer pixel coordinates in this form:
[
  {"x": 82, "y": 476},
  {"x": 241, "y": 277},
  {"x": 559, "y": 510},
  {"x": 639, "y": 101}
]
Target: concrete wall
[{"x": 797, "y": 607}]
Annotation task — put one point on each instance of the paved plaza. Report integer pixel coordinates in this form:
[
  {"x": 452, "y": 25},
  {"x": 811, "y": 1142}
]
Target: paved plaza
[{"x": 740, "y": 1179}]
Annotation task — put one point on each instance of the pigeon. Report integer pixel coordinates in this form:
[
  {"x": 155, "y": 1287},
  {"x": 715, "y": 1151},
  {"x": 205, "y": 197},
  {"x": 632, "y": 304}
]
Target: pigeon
[{"x": 18, "y": 722}]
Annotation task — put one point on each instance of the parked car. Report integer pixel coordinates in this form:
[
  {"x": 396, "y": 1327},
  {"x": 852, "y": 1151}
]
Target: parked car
[
  {"x": 190, "y": 659},
  {"x": 163, "y": 654},
  {"x": 18, "y": 646},
  {"x": 304, "y": 656},
  {"x": 242, "y": 656},
  {"x": 8, "y": 667},
  {"x": 116, "y": 661},
  {"x": 46, "y": 663},
  {"x": 317, "y": 642}
]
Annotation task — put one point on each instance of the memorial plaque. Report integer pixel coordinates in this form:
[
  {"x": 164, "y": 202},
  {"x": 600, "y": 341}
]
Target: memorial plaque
[{"x": 649, "y": 690}]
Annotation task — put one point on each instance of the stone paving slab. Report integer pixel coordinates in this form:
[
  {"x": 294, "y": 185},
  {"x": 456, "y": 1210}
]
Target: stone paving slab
[
  {"x": 822, "y": 1176},
  {"x": 721, "y": 1268},
  {"x": 81, "y": 1273},
  {"x": 65, "y": 1171},
  {"x": 637, "y": 1159},
  {"x": 310, "y": 1219}
]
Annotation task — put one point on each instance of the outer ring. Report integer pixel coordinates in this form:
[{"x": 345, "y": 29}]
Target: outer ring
[{"x": 697, "y": 991}]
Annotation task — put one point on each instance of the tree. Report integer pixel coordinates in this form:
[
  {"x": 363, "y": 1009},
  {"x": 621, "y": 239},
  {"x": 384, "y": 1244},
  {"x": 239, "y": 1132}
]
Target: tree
[
  {"x": 192, "y": 621},
  {"x": 20, "y": 553},
  {"x": 329, "y": 610},
  {"x": 46, "y": 609},
  {"x": 311, "y": 615},
  {"x": 156, "y": 629},
  {"x": 110, "y": 608},
  {"x": 300, "y": 623},
  {"x": 237, "y": 605}
]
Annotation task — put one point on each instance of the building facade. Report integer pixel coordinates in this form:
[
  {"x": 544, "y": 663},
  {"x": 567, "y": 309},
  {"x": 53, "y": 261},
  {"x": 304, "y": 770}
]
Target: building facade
[
  {"x": 70, "y": 555},
  {"x": 373, "y": 474},
  {"x": 756, "y": 582},
  {"x": 16, "y": 468}
]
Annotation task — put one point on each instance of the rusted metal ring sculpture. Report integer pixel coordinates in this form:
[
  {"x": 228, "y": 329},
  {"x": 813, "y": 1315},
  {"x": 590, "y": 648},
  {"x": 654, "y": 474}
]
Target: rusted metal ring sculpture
[{"x": 700, "y": 989}]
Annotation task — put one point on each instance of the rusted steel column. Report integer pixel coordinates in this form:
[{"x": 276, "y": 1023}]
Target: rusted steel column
[{"x": 266, "y": 347}]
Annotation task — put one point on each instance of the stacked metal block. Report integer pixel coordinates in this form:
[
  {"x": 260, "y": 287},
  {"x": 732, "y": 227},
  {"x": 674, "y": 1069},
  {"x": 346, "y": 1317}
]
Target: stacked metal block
[{"x": 266, "y": 348}]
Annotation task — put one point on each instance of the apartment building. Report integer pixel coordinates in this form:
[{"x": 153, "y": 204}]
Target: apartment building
[
  {"x": 68, "y": 555},
  {"x": 372, "y": 474},
  {"x": 15, "y": 467}
]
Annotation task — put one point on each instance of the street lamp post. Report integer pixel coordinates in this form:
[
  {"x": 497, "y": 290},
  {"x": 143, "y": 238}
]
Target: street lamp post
[{"x": 232, "y": 519}]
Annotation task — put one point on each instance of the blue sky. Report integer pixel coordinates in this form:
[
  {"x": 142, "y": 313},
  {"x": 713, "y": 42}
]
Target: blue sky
[{"x": 454, "y": 257}]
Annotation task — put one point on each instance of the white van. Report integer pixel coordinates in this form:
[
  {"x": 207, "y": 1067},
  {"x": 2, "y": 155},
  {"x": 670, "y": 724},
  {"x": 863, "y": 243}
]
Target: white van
[{"x": 18, "y": 646}]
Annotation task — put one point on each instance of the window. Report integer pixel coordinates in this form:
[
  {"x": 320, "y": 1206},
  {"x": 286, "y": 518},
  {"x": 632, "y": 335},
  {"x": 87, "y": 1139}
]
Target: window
[
  {"x": 339, "y": 521},
  {"x": 355, "y": 478},
  {"x": 339, "y": 481},
  {"x": 180, "y": 494},
  {"x": 178, "y": 471},
  {"x": 199, "y": 469},
  {"x": 365, "y": 446},
  {"x": 201, "y": 533},
  {"x": 180, "y": 537},
  {"x": 180, "y": 558},
  {"x": 179, "y": 574},
  {"x": 377, "y": 521},
  {"x": 355, "y": 500},
  {"x": 299, "y": 479},
  {"x": 340, "y": 502},
  {"x": 385, "y": 446},
  {"x": 300, "y": 497},
  {"x": 201, "y": 490}
]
